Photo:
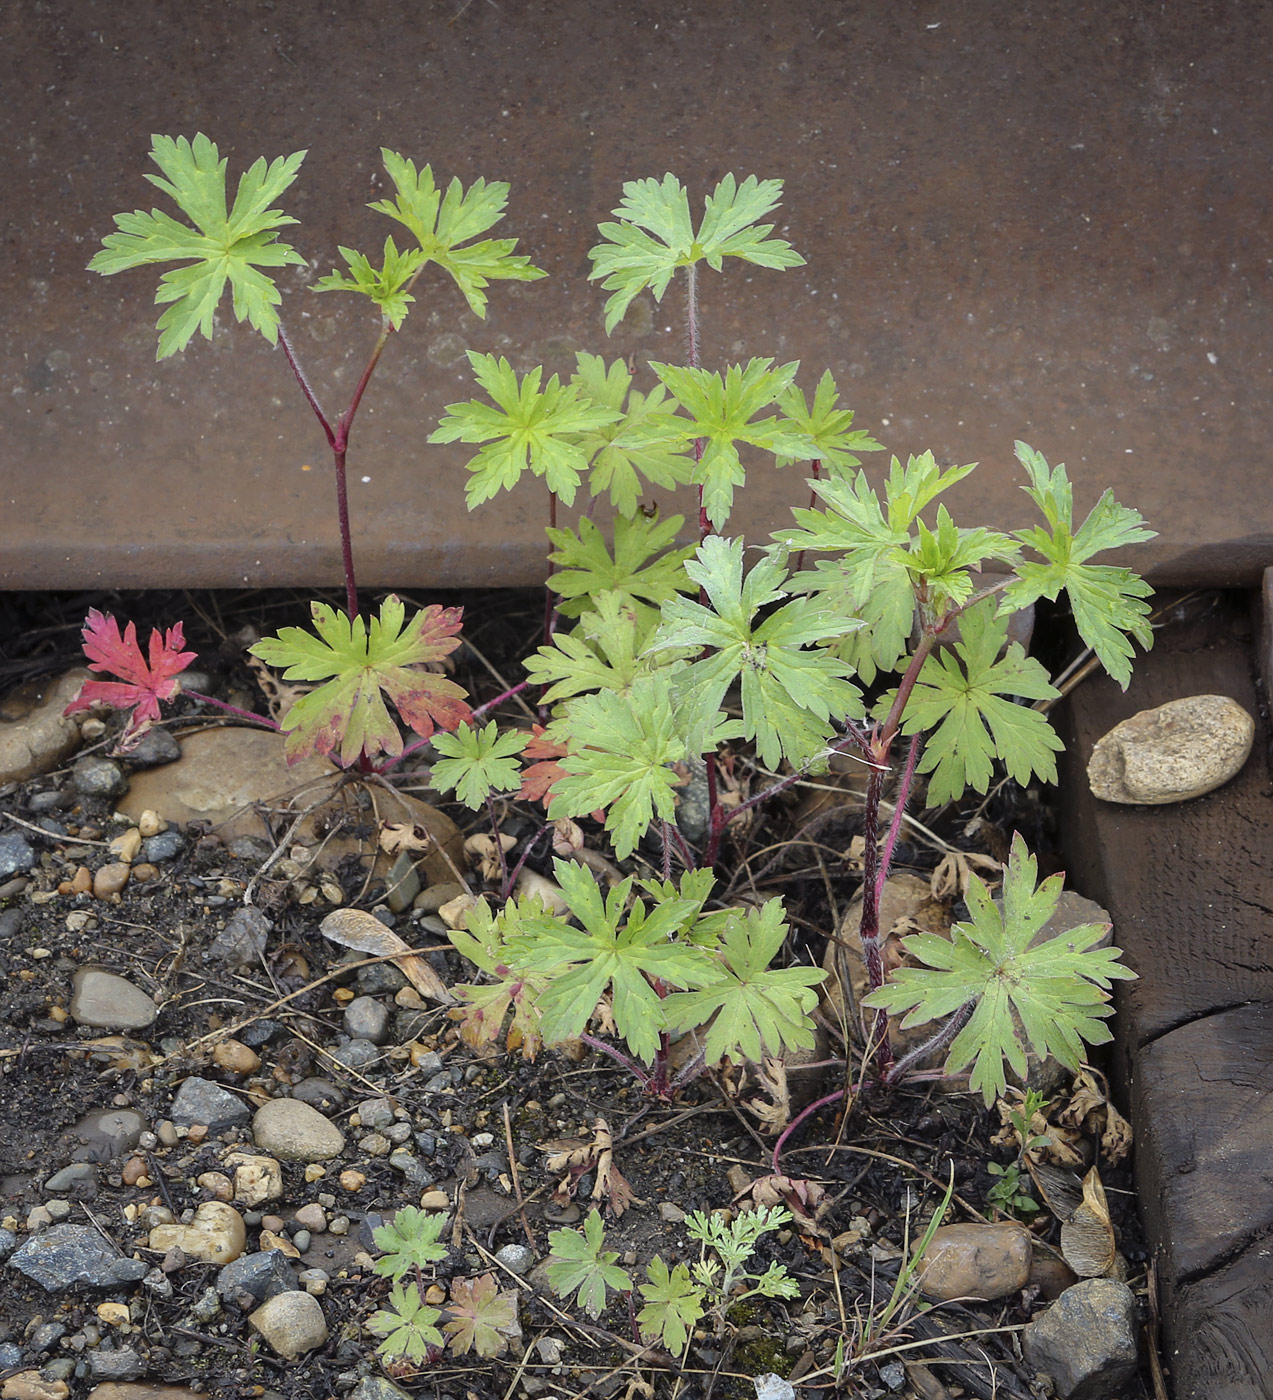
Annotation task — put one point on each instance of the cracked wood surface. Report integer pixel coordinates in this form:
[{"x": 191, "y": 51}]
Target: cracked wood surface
[{"x": 1190, "y": 891}]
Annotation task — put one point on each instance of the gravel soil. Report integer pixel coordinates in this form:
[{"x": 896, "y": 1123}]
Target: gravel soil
[{"x": 422, "y": 1118}]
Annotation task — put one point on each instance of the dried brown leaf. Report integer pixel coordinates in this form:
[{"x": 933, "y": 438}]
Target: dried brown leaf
[{"x": 357, "y": 929}]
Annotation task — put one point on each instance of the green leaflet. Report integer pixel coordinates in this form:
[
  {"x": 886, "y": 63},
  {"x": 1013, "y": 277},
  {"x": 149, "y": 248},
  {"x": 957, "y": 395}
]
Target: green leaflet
[
  {"x": 964, "y": 703},
  {"x": 637, "y": 570},
  {"x": 527, "y": 428},
  {"x": 386, "y": 285},
  {"x": 1108, "y": 602},
  {"x": 1053, "y": 994},
  {"x": 655, "y": 235},
  {"x": 578, "y": 1262},
  {"x": 478, "y": 762},
  {"x": 789, "y": 694},
  {"x": 227, "y": 248}
]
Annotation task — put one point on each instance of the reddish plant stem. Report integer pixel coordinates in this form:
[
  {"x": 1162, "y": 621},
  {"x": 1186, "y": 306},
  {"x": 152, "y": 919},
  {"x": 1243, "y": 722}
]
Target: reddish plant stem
[
  {"x": 232, "y": 710},
  {"x": 550, "y": 604},
  {"x": 869, "y": 928},
  {"x": 813, "y": 501},
  {"x": 899, "y": 811},
  {"x": 499, "y": 845},
  {"x": 511, "y": 877}
]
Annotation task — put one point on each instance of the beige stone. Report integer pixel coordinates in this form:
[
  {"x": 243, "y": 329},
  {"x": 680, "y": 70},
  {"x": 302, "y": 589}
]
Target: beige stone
[
  {"x": 295, "y": 1132},
  {"x": 31, "y": 1385},
  {"x": 256, "y": 1179},
  {"x": 976, "y": 1261},
  {"x": 223, "y": 775},
  {"x": 1175, "y": 752},
  {"x": 292, "y": 1323},
  {"x": 216, "y": 1234},
  {"x": 35, "y": 736}
]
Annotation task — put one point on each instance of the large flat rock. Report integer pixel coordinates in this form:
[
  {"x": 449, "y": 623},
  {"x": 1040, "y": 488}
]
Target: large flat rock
[{"x": 1046, "y": 223}]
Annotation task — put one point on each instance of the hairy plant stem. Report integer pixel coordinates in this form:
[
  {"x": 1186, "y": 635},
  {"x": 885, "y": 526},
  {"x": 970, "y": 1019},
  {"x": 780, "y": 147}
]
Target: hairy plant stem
[
  {"x": 499, "y": 845},
  {"x": 234, "y": 710},
  {"x": 550, "y": 602}
]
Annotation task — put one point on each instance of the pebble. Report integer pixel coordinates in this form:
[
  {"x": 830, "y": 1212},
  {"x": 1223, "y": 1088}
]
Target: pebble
[
  {"x": 155, "y": 747},
  {"x": 110, "y": 879},
  {"x": 256, "y": 1179},
  {"x": 166, "y": 846},
  {"x": 321, "y": 1094},
  {"x": 367, "y": 1019},
  {"x": 242, "y": 941},
  {"x": 375, "y": 1113},
  {"x": 79, "y": 1179},
  {"x": 125, "y": 846},
  {"x": 16, "y": 854},
  {"x": 377, "y": 1388},
  {"x": 94, "y": 776},
  {"x": 144, "y": 873},
  {"x": 351, "y": 1180},
  {"x": 976, "y": 1261},
  {"x": 670, "y": 1212},
  {"x": 375, "y": 1145},
  {"x": 1173, "y": 753},
  {"x": 402, "y": 883},
  {"x": 109, "y": 1002},
  {"x": 568, "y": 1214},
  {"x": 235, "y": 1058},
  {"x": 516, "y": 1258},
  {"x": 150, "y": 823},
  {"x": 259, "y": 1276},
  {"x": 64, "y": 1255},
  {"x": 216, "y": 1235},
  {"x": 295, "y": 1132},
  {"x": 216, "y": 1184},
  {"x": 311, "y": 1217},
  {"x": 292, "y": 1323},
  {"x": 1086, "y": 1341},
  {"x": 201, "y": 1101},
  {"x": 40, "y": 739},
  {"x": 356, "y": 1055},
  {"x": 31, "y": 1385},
  {"x": 110, "y": 1364}
]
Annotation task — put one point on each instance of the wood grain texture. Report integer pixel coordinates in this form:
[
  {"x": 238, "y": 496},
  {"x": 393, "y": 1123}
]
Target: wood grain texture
[{"x": 1190, "y": 890}]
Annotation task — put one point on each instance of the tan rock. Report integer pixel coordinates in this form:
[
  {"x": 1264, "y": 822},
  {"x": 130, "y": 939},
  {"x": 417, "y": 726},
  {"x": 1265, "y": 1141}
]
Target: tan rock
[
  {"x": 142, "y": 1390},
  {"x": 216, "y": 1234},
  {"x": 256, "y": 1179},
  {"x": 31, "y": 1385},
  {"x": 1175, "y": 752},
  {"x": 35, "y": 736},
  {"x": 292, "y": 1323},
  {"x": 976, "y": 1261},
  {"x": 224, "y": 774},
  {"x": 295, "y": 1132},
  {"x": 110, "y": 879},
  {"x": 235, "y": 1058},
  {"x": 125, "y": 846}
]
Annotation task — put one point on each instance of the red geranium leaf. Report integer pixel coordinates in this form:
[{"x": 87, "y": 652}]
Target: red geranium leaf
[{"x": 145, "y": 681}]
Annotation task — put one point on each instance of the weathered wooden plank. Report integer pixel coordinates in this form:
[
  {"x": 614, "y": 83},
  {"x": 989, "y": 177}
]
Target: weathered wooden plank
[{"x": 1190, "y": 890}]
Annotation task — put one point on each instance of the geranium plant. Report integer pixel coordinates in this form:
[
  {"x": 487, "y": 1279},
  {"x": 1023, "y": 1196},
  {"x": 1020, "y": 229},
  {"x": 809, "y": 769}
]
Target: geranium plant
[{"x": 664, "y": 657}]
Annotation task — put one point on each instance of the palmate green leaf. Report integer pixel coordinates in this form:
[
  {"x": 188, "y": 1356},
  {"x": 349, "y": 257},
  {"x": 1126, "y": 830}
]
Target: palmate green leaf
[
  {"x": 526, "y": 428},
  {"x": 407, "y": 1324},
  {"x": 722, "y": 411},
  {"x": 612, "y": 953},
  {"x": 482, "y": 1318},
  {"x": 386, "y": 285},
  {"x": 643, "y": 444},
  {"x": 1108, "y": 602},
  {"x": 495, "y": 943},
  {"x": 348, "y": 713},
  {"x": 226, "y": 248},
  {"x": 409, "y": 1241},
  {"x": 603, "y": 653},
  {"x": 673, "y": 1306},
  {"x": 887, "y": 614},
  {"x": 759, "y": 1010},
  {"x": 655, "y": 235},
  {"x": 578, "y": 1262},
  {"x": 441, "y": 223},
  {"x": 621, "y": 749},
  {"x": 836, "y": 442},
  {"x": 789, "y": 695},
  {"x": 637, "y": 570},
  {"x": 962, "y": 703},
  {"x": 478, "y": 762},
  {"x": 944, "y": 558},
  {"x": 1054, "y": 993}
]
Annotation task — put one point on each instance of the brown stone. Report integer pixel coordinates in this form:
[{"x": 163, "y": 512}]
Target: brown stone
[
  {"x": 34, "y": 734},
  {"x": 110, "y": 879},
  {"x": 976, "y": 1261}
]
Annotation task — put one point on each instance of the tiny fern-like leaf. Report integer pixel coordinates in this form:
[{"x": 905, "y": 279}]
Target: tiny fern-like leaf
[{"x": 1053, "y": 993}]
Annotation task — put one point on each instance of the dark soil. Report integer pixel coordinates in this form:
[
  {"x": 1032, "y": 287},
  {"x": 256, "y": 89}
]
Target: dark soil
[{"x": 882, "y": 1168}]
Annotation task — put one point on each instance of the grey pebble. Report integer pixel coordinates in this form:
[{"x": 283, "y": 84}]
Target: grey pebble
[
  {"x": 58, "y": 1209},
  {"x": 154, "y": 748},
  {"x": 375, "y": 1113},
  {"x": 377, "y": 1388},
  {"x": 1086, "y": 1341},
  {"x": 116, "y": 1364},
  {"x": 10, "y": 1356},
  {"x": 46, "y": 1336},
  {"x": 107, "y": 1001},
  {"x": 73, "y": 1178},
  {"x": 398, "y": 1133},
  {"x": 201, "y": 1101},
  {"x": 64, "y": 1255},
  {"x": 356, "y": 1054},
  {"x": 321, "y": 1094},
  {"x": 302, "y": 1240},
  {"x": 167, "y": 845},
  {"x": 8, "y": 1242},
  {"x": 103, "y": 1135},
  {"x": 11, "y": 921},
  {"x": 255, "y": 1277},
  {"x": 516, "y": 1258},
  {"x": 207, "y": 1306},
  {"x": 16, "y": 854},
  {"x": 94, "y": 776},
  {"x": 379, "y": 978},
  {"x": 367, "y": 1019},
  {"x": 242, "y": 941}
]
